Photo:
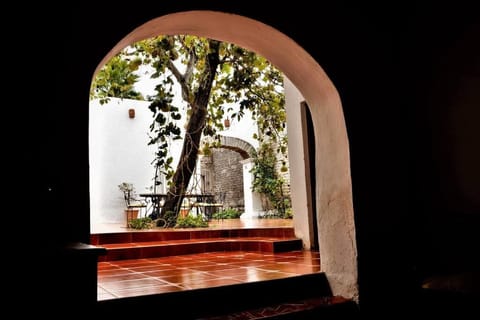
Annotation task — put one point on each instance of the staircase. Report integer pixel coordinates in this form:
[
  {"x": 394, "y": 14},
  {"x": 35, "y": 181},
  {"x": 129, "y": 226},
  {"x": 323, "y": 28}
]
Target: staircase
[
  {"x": 303, "y": 296},
  {"x": 151, "y": 244}
]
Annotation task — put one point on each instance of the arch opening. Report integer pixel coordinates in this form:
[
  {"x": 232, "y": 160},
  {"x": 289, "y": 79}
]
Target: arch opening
[{"x": 334, "y": 206}]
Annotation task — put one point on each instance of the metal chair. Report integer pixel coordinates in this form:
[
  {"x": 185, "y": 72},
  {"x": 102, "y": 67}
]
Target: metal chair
[{"x": 133, "y": 203}]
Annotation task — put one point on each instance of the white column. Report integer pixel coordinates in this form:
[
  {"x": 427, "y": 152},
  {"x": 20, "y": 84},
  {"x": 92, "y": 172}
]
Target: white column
[{"x": 252, "y": 200}]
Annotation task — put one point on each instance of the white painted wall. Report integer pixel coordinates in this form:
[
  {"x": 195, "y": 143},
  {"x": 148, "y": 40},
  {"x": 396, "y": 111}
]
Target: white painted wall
[
  {"x": 243, "y": 129},
  {"x": 296, "y": 156},
  {"x": 252, "y": 200},
  {"x": 118, "y": 153}
]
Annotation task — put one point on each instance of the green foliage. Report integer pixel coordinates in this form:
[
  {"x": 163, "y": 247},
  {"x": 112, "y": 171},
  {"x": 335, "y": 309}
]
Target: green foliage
[
  {"x": 242, "y": 77},
  {"x": 266, "y": 180},
  {"x": 141, "y": 223},
  {"x": 265, "y": 177},
  {"x": 129, "y": 192},
  {"x": 285, "y": 213},
  {"x": 116, "y": 79},
  {"x": 228, "y": 213},
  {"x": 190, "y": 221},
  {"x": 288, "y": 213},
  {"x": 126, "y": 187},
  {"x": 168, "y": 220}
]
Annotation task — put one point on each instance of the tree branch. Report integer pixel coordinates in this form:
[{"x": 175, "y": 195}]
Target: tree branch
[
  {"x": 192, "y": 59},
  {"x": 181, "y": 79}
]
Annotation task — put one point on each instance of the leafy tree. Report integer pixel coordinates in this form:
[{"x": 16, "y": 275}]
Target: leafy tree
[
  {"x": 117, "y": 79},
  {"x": 211, "y": 75}
]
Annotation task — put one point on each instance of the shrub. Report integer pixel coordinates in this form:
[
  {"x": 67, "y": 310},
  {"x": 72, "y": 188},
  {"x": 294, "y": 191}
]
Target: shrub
[
  {"x": 228, "y": 213},
  {"x": 141, "y": 223},
  {"x": 191, "y": 221}
]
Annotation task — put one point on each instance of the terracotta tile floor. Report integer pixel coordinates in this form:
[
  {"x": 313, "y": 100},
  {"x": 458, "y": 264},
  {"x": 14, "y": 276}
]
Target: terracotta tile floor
[{"x": 127, "y": 278}]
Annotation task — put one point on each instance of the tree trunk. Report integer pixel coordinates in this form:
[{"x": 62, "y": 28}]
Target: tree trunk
[{"x": 193, "y": 135}]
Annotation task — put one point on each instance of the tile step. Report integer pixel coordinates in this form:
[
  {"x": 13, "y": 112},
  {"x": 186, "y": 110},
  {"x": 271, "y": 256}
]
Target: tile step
[
  {"x": 188, "y": 234},
  {"x": 151, "y": 249}
]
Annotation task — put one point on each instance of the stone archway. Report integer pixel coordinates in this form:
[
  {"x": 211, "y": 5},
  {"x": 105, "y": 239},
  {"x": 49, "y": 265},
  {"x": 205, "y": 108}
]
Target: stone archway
[
  {"x": 335, "y": 218},
  {"x": 244, "y": 148},
  {"x": 226, "y": 171}
]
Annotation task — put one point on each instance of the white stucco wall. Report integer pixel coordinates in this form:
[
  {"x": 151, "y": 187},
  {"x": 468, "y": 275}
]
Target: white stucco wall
[
  {"x": 252, "y": 200},
  {"x": 296, "y": 156},
  {"x": 243, "y": 129},
  {"x": 118, "y": 153}
]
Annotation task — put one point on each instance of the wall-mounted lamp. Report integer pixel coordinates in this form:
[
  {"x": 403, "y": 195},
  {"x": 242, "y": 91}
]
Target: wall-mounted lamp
[
  {"x": 226, "y": 123},
  {"x": 131, "y": 113}
]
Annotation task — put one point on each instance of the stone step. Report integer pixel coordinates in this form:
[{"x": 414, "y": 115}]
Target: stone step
[{"x": 152, "y": 249}]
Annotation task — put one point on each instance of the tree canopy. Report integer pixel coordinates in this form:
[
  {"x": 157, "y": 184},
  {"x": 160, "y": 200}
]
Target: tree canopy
[
  {"x": 117, "y": 79},
  {"x": 212, "y": 76}
]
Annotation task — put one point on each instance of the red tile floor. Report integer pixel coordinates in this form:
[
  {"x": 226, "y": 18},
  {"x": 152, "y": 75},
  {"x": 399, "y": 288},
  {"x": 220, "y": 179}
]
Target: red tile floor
[{"x": 127, "y": 278}]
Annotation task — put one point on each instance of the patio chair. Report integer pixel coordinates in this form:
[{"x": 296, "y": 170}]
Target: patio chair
[
  {"x": 209, "y": 207},
  {"x": 133, "y": 203}
]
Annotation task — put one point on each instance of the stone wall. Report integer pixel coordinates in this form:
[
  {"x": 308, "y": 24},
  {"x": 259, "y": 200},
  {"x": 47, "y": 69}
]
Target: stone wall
[{"x": 224, "y": 174}]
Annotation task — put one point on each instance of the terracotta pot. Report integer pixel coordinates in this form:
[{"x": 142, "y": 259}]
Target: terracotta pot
[
  {"x": 184, "y": 212},
  {"x": 131, "y": 214}
]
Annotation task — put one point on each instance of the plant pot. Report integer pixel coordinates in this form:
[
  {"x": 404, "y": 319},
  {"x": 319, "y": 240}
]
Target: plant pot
[
  {"x": 131, "y": 214},
  {"x": 184, "y": 212}
]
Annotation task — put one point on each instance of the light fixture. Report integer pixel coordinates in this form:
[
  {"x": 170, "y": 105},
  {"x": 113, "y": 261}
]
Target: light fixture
[{"x": 131, "y": 113}]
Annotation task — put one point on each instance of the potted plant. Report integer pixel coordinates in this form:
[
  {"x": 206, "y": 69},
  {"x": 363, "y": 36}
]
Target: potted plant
[
  {"x": 132, "y": 204},
  {"x": 185, "y": 209}
]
